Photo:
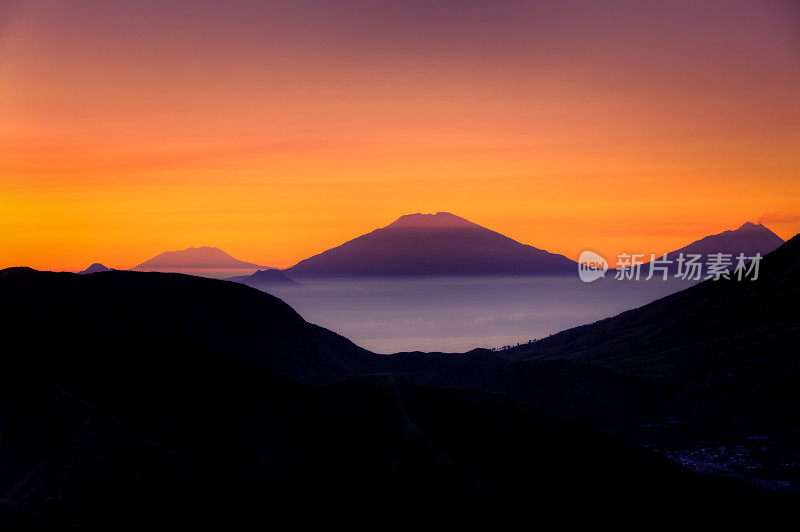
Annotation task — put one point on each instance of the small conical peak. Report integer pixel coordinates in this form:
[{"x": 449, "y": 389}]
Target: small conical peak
[
  {"x": 96, "y": 267},
  {"x": 438, "y": 220},
  {"x": 270, "y": 275}
]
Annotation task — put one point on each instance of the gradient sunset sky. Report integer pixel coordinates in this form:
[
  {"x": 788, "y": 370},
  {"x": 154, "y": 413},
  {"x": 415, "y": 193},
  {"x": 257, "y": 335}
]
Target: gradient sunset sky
[{"x": 275, "y": 130}]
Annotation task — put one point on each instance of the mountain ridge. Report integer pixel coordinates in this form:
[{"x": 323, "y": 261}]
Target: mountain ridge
[
  {"x": 162, "y": 402},
  {"x": 433, "y": 244},
  {"x": 749, "y": 238},
  {"x": 725, "y": 355},
  {"x": 264, "y": 279},
  {"x": 195, "y": 258},
  {"x": 778, "y": 274}
]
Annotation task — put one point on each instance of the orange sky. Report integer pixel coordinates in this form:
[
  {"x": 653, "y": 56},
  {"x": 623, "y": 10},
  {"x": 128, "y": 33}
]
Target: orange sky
[{"x": 275, "y": 130}]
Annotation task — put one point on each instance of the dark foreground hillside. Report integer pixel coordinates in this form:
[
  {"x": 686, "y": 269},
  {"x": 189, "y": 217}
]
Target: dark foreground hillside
[
  {"x": 242, "y": 323},
  {"x": 106, "y": 424},
  {"x": 248, "y": 325},
  {"x": 715, "y": 326},
  {"x": 726, "y": 355}
]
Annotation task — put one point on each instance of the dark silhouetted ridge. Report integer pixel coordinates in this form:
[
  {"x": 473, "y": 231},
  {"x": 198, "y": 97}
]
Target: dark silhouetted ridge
[
  {"x": 724, "y": 353},
  {"x": 150, "y": 397},
  {"x": 236, "y": 320},
  {"x": 687, "y": 333}
]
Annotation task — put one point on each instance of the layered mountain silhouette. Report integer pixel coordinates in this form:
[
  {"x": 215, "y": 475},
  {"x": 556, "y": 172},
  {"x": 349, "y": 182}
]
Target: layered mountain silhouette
[
  {"x": 433, "y": 244},
  {"x": 244, "y": 323},
  {"x": 94, "y": 268},
  {"x": 251, "y": 326},
  {"x": 749, "y": 239},
  {"x": 725, "y": 352},
  {"x": 200, "y": 258},
  {"x": 162, "y": 402},
  {"x": 682, "y": 335},
  {"x": 262, "y": 279}
]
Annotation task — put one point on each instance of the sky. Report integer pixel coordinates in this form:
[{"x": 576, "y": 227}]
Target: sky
[{"x": 276, "y": 130}]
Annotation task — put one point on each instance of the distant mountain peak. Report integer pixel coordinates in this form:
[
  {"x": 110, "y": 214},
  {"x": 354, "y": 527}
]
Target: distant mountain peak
[
  {"x": 203, "y": 257},
  {"x": 750, "y": 228},
  {"x": 749, "y": 238},
  {"x": 265, "y": 278},
  {"x": 440, "y": 219},
  {"x": 94, "y": 268},
  {"x": 433, "y": 244},
  {"x": 271, "y": 275},
  {"x": 749, "y": 225}
]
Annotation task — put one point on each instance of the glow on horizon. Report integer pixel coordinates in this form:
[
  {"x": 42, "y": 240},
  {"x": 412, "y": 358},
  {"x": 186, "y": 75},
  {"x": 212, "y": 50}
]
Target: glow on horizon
[{"x": 275, "y": 130}]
